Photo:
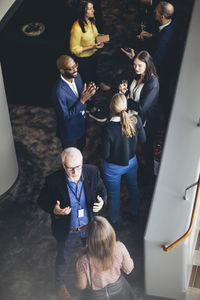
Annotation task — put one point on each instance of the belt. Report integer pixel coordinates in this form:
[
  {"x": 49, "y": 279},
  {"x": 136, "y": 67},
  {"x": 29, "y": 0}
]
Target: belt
[{"x": 80, "y": 228}]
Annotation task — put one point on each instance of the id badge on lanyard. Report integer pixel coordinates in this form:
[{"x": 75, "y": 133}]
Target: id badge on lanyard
[{"x": 81, "y": 213}]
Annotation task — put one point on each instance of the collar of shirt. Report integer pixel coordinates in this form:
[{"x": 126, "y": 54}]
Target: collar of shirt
[
  {"x": 72, "y": 84},
  {"x": 115, "y": 119},
  {"x": 163, "y": 26},
  {"x": 66, "y": 80},
  {"x": 72, "y": 183}
]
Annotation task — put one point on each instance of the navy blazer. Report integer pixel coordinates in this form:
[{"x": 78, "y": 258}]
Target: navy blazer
[
  {"x": 71, "y": 114},
  {"x": 116, "y": 148},
  {"x": 164, "y": 48},
  {"x": 147, "y": 107},
  {"x": 55, "y": 189}
]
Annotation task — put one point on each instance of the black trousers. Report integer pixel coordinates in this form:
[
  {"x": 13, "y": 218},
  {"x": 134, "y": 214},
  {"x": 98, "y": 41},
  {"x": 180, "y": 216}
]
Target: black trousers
[
  {"x": 88, "y": 68},
  {"x": 79, "y": 144},
  {"x": 148, "y": 148}
]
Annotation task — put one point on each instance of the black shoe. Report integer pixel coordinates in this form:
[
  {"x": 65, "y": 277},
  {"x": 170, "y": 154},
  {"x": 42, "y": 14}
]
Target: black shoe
[{"x": 98, "y": 115}]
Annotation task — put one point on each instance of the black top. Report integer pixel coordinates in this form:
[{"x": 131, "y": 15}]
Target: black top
[
  {"x": 118, "y": 149},
  {"x": 147, "y": 107},
  {"x": 55, "y": 188}
]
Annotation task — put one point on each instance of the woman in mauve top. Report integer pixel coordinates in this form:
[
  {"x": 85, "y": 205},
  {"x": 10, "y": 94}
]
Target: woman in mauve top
[{"x": 99, "y": 269}]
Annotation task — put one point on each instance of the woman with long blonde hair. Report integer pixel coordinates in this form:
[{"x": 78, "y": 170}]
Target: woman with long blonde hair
[
  {"x": 119, "y": 140},
  {"x": 99, "y": 269}
]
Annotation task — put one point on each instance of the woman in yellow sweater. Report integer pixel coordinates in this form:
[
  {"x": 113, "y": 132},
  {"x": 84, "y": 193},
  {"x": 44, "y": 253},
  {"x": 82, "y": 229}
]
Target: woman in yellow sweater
[{"x": 83, "y": 43}]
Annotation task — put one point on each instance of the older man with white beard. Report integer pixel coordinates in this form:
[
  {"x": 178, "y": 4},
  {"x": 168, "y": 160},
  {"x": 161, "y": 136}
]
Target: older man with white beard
[{"x": 72, "y": 196}]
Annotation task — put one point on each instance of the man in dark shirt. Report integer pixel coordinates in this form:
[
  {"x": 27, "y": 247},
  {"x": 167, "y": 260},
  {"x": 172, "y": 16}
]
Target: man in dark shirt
[{"x": 72, "y": 196}]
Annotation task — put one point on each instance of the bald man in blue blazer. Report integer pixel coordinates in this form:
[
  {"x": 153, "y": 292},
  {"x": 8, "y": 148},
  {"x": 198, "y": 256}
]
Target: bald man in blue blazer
[{"x": 69, "y": 98}]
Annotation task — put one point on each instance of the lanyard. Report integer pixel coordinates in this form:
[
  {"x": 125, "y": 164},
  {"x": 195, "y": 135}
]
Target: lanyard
[{"x": 75, "y": 194}]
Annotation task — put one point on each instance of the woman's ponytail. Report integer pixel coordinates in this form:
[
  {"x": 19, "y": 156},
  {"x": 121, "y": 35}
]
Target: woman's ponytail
[
  {"x": 128, "y": 124},
  {"x": 118, "y": 106}
]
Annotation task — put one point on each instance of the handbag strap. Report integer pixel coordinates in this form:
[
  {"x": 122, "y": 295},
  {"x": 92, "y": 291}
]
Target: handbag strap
[{"x": 90, "y": 271}]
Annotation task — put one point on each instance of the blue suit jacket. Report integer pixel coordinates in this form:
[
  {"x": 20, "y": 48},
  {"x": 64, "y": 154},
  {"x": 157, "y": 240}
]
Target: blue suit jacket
[
  {"x": 164, "y": 48},
  {"x": 71, "y": 115}
]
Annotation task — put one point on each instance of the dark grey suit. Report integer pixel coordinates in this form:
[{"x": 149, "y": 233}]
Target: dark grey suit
[{"x": 55, "y": 189}]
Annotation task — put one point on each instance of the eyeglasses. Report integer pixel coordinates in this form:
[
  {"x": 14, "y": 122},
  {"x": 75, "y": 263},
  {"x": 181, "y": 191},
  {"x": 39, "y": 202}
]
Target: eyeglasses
[
  {"x": 74, "y": 67},
  {"x": 70, "y": 169}
]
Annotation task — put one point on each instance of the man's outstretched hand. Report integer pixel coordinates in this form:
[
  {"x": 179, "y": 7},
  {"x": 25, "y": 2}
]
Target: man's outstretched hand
[
  {"x": 61, "y": 211},
  {"x": 144, "y": 34},
  {"x": 130, "y": 54},
  {"x": 98, "y": 205}
]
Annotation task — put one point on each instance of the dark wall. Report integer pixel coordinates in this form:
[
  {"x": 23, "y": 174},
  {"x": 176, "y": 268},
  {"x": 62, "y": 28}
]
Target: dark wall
[{"x": 28, "y": 63}]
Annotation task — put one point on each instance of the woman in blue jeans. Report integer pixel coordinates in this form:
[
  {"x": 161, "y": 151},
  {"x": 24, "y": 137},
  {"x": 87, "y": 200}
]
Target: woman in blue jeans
[{"x": 119, "y": 140}]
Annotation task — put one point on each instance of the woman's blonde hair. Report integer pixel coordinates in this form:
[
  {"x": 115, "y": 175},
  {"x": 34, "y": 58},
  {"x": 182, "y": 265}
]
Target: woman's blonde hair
[
  {"x": 101, "y": 242},
  {"x": 118, "y": 106}
]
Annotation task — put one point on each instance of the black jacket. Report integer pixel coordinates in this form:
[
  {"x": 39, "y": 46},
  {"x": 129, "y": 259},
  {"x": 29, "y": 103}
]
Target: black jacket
[
  {"x": 164, "y": 51},
  {"x": 55, "y": 189},
  {"x": 147, "y": 107},
  {"x": 116, "y": 148}
]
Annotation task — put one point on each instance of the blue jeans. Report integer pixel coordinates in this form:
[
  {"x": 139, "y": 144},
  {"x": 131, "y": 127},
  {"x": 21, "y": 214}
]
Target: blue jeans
[
  {"x": 64, "y": 253},
  {"x": 112, "y": 177}
]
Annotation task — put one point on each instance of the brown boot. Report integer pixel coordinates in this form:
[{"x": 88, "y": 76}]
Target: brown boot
[{"x": 62, "y": 293}]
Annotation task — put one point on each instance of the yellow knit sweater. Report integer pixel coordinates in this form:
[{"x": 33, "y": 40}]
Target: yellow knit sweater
[{"x": 79, "y": 39}]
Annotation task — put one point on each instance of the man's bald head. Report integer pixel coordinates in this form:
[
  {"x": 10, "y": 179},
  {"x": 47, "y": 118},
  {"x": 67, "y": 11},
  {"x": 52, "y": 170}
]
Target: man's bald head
[
  {"x": 62, "y": 61},
  {"x": 67, "y": 67},
  {"x": 166, "y": 9}
]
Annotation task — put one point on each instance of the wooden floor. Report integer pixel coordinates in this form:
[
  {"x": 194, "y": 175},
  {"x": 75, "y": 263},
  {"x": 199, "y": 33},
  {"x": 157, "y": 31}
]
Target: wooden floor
[
  {"x": 194, "y": 284},
  {"x": 195, "y": 277}
]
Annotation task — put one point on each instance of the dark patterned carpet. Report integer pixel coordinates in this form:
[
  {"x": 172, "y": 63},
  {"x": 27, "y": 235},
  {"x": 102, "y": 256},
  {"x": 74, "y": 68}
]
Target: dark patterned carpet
[{"x": 27, "y": 251}]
